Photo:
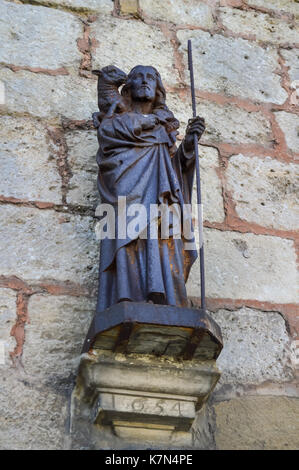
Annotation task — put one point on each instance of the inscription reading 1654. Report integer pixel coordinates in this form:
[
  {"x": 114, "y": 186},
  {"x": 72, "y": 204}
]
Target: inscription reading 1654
[{"x": 156, "y": 406}]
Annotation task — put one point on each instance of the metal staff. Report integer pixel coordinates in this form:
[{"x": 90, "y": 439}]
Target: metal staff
[{"x": 199, "y": 205}]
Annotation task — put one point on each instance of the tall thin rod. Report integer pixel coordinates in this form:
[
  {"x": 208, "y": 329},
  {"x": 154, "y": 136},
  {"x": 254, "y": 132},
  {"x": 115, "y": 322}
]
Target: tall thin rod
[{"x": 198, "y": 186}]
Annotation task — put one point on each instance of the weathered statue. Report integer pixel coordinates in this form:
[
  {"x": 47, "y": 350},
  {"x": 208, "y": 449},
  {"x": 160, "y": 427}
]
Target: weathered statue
[{"x": 138, "y": 159}]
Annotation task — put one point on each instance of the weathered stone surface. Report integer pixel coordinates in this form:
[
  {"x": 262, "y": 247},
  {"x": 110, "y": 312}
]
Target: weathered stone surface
[
  {"x": 291, "y": 58},
  {"x": 262, "y": 26},
  {"x": 139, "y": 44},
  {"x": 55, "y": 335},
  {"x": 257, "y": 423},
  {"x": 47, "y": 244},
  {"x": 35, "y": 36},
  {"x": 233, "y": 66},
  {"x": 226, "y": 123},
  {"x": 236, "y": 264},
  {"x": 143, "y": 389},
  {"x": 288, "y": 6},
  {"x": 47, "y": 96},
  {"x": 31, "y": 416},
  {"x": 263, "y": 336},
  {"x": 101, "y": 6},
  {"x": 34, "y": 405},
  {"x": 187, "y": 12},
  {"x": 82, "y": 149},
  {"x": 289, "y": 123},
  {"x": 7, "y": 320},
  {"x": 213, "y": 210},
  {"x": 265, "y": 191},
  {"x": 28, "y": 167}
]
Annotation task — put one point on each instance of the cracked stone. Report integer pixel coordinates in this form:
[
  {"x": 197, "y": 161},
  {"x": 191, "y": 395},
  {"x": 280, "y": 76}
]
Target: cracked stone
[
  {"x": 188, "y": 12},
  {"x": 231, "y": 275},
  {"x": 226, "y": 123},
  {"x": 48, "y": 97},
  {"x": 264, "y": 337},
  {"x": 213, "y": 210},
  {"x": 288, "y": 6},
  {"x": 140, "y": 44},
  {"x": 33, "y": 36},
  {"x": 262, "y": 26},
  {"x": 64, "y": 248},
  {"x": 257, "y": 423},
  {"x": 265, "y": 191},
  {"x": 55, "y": 335},
  {"x": 82, "y": 149},
  {"x": 233, "y": 66},
  {"x": 28, "y": 167},
  {"x": 99, "y": 6}
]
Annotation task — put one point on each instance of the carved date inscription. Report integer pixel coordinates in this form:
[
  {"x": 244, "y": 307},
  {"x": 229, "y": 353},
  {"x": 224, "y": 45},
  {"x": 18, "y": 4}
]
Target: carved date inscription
[{"x": 147, "y": 405}]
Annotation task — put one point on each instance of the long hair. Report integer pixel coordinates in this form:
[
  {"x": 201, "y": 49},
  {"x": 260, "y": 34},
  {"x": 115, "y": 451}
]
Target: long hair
[{"x": 160, "y": 98}]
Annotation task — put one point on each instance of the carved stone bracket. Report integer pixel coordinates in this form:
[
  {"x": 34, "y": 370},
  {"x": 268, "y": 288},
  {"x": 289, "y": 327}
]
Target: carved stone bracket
[{"x": 142, "y": 380}]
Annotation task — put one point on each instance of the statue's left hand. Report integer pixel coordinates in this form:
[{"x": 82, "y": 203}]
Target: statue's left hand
[{"x": 196, "y": 126}]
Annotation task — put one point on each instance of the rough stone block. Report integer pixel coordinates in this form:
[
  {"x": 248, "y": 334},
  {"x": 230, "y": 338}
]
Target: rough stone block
[
  {"x": 256, "y": 347},
  {"x": 32, "y": 417},
  {"x": 82, "y": 149},
  {"x": 189, "y": 12},
  {"x": 28, "y": 167},
  {"x": 257, "y": 423},
  {"x": 289, "y": 124},
  {"x": 7, "y": 320},
  {"x": 47, "y": 245},
  {"x": 227, "y": 124},
  {"x": 47, "y": 96},
  {"x": 265, "y": 191},
  {"x": 236, "y": 264},
  {"x": 139, "y": 44},
  {"x": 213, "y": 210},
  {"x": 233, "y": 66},
  {"x": 262, "y": 26},
  {"x": 35, "y": 36},
  {"x": 140, "y": 392},
  {"x": 99, "y": 6},
  {"x": 55, "y": 335},
  {"x": 288, "y": 6}
]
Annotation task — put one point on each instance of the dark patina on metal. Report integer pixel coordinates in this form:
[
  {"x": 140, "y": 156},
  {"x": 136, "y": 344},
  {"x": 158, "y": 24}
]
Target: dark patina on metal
[
  {"x": 138, "y": 159},
  {"x": 114, "y": 328}
]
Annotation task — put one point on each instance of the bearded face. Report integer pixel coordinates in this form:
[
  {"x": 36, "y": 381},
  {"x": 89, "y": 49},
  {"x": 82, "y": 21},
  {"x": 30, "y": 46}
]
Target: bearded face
[{"x": 143, "y": 84}]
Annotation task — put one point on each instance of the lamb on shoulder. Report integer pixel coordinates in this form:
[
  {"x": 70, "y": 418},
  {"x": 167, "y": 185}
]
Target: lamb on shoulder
[{"x": 110, "y": 101}]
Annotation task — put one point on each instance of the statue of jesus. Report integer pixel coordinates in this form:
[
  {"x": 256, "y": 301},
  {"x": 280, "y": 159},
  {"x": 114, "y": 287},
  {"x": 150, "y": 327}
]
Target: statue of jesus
[{"x": 138, "y": 159}]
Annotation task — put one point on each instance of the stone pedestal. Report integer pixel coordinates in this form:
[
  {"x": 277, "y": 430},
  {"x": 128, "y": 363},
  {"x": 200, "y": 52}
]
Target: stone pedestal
[{"x": 145, "y": 372}]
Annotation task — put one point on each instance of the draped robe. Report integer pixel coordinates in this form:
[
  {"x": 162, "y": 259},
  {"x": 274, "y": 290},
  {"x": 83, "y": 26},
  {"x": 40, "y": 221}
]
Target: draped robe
[{"x": 137, "y": 164}]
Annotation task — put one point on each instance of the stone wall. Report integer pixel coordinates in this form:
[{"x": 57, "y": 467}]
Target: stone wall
[{"x": 246, "y": 71}]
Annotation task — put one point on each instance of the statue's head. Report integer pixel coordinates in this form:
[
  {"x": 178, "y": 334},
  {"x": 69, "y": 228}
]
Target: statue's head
[{"x": 144, "y": 84}]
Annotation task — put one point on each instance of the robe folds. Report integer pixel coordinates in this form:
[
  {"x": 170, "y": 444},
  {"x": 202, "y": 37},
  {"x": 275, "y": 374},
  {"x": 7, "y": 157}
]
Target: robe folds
[{"x": 137, "y": 164}]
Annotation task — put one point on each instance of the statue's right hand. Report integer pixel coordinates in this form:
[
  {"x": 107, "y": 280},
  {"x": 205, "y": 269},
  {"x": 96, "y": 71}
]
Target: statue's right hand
[{"x": 149, "y": 121}]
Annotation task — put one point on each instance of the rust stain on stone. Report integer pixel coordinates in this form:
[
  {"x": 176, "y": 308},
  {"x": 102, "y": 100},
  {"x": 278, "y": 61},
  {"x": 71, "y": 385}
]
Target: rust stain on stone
[
  {"x": 18, "y": 330},
  {"x": 52, "y": 72},
  {"x": 86, "y": 45}
]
